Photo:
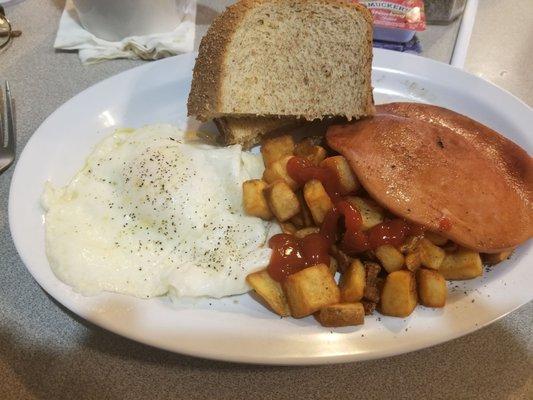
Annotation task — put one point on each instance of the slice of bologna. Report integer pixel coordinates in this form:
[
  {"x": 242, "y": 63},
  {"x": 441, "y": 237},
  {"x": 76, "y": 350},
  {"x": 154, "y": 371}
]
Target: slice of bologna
[{"x": 440, "y": 169}]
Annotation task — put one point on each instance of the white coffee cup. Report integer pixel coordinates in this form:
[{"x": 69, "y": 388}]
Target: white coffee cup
[{"x": 114, "y": 20}]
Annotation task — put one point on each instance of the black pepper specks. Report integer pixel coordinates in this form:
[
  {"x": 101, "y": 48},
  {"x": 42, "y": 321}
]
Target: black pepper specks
[{"x": 158, "y": 222}]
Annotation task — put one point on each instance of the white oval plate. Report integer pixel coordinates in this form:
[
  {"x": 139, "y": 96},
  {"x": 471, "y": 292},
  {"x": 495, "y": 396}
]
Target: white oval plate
[{"x": 238, "y": 328}]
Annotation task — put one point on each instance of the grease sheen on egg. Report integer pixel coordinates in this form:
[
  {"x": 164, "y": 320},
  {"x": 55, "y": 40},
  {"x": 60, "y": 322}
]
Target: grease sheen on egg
[{"x": 150, "y": 214}]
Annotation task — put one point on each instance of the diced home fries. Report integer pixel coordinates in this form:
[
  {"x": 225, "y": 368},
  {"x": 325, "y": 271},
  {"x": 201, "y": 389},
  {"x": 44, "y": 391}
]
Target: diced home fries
[
  {"x": 277, "y": 148},
  {"x": 412, "y": 261},
  {"x": 371, "y": 213},
  {"x": 461, "y": 264},
  {"x": 352, "y": 282},
  {"x": 347, "y": 180},
  {"x": 392, "y": 278},
  {"x": 431, "y": 288},
  {"x": 282, "y": 200},
  {"x": 270, "y": 291},
  {"x": 254, "y": 200},
  {"x": 317, "y": 200},
  {"x": 310, "y": 290},
  {"x": 310, "y": 151},
  {"x": 398, "y": 298},
  {"x": 278, "y": 171},
  {"x": 390, "y": 258},
  {"x": 342, "y": 314},
  {"x": 373, "y": 282},
  {"x": 431, "y": 256}
]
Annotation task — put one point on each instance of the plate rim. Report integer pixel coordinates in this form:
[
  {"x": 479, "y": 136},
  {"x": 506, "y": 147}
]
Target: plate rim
[{"x": 420, "y": 62}]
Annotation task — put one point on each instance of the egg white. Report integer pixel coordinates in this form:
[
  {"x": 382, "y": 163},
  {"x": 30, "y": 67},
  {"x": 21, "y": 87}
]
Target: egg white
[{"x": 150, "y": 214}]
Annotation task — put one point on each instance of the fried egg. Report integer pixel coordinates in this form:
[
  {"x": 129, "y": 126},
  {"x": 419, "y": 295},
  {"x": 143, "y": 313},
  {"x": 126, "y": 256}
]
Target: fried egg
[{"x": 151, "y": 213}]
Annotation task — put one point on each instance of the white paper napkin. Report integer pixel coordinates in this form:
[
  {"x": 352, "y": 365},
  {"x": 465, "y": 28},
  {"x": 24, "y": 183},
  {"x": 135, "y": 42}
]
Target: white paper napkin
[{"x": 72, "y": 36}]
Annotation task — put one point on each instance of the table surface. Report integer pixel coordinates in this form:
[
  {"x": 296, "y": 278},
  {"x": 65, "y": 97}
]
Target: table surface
[{"x": 46, "y": 352}]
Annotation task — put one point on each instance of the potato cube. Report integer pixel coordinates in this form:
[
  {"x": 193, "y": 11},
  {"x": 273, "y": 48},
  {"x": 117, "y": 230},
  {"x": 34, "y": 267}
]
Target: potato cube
[
  {"x": 276, "y": 148},
  {"x": 431, "y": 256},
  {"x": 270, "y": 291},
  {"x": 317, "y": 200},
  {"x": 301, "y": 233},
  {"x": 369, "y": 307},
  {"x": 371, "y": 213},
  {"x": 372, "y": 291},
  {"x": 431, "y": 287},
  {"x": 278, "y": 171},
  {"x": 342, "y": 314},
  {"x": 390, "y": 257},
  {"x": 340, "y": 167},
  {"x": 492, "y": 259},
  {"x": 352, "y": 282},
  {"x": 412, "y": 261},
  {"x": 308, "y": 149},
  {"x": 310, "y": 289},
  {"x": 282, "y": 200},
  {"x": 254, "y": 199},
  {"x": 398, "y": 297},
  {"x": 435, "y": 238},
  {"x": 461, "y": 264}
]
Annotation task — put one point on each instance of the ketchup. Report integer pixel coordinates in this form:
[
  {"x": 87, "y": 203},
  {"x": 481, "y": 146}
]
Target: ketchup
[
  {"x": 352, "y": 217},
  {"x": 290, "y": 254},
  {"x": 344, "y": 220},
  {"x": 352, "y": 220},
  {"x": 301, "y": 170},
  {"x": 391, "y": 232},
  {"x": 329, "y": 228}
]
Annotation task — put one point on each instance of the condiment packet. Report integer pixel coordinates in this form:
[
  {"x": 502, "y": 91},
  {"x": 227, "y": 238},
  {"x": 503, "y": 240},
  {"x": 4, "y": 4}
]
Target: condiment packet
[
  {"x": 397, "y": 14},
  {"x": 412, "y": 46}
]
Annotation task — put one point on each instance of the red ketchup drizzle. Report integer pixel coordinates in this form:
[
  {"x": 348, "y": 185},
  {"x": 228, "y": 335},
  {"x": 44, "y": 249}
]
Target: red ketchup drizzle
[
  {"x": 352, "y": 220},
  {"x": 301, "y": 170},
  {"x": 290, "y": 254},
  {"x": 352, "y": 217},
  {"x": 329, "y": 228},
  {"x": 393, "y": 232}
]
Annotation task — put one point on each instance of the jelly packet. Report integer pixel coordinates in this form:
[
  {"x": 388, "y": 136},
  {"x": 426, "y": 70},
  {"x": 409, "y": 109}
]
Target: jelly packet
[
  {"x": 396, "y": 20},
  {"x": 397, "y": 14}
]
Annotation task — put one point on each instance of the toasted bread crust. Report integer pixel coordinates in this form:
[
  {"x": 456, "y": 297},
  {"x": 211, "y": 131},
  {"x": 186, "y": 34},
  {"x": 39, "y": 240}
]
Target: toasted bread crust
[
  {"x": 208, "y": 73},
  {"x": 208, "y": 69},
  {"x": 249, "y": 131}
]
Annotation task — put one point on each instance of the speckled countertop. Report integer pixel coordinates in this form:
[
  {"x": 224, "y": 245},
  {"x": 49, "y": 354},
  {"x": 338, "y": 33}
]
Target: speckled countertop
[{"x": 46, "y": 352}]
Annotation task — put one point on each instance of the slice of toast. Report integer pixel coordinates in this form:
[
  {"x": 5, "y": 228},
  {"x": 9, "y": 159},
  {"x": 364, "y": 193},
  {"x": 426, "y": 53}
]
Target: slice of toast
[
  {"x": 299, "y": 58},
  {"x": 248, "y": 131}
]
